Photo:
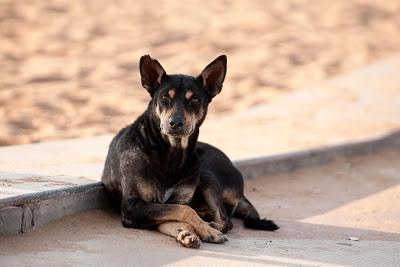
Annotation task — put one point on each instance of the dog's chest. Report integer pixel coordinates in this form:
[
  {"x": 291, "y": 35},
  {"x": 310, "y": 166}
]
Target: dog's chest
[{"x": 181, "y": 194}]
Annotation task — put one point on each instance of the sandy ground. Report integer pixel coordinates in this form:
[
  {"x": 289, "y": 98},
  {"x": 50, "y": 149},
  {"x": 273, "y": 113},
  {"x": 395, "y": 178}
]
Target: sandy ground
[
  {"x": 69, "y": 68},
  {"x": 315, "y": 225}
]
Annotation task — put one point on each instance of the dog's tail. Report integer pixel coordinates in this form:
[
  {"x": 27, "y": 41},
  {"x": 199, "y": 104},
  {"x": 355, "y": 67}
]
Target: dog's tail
[{"x": 246, "y": 211}]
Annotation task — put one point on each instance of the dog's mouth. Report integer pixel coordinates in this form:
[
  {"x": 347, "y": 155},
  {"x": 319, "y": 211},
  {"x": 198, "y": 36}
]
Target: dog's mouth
[{"x": 177, "y": 133}]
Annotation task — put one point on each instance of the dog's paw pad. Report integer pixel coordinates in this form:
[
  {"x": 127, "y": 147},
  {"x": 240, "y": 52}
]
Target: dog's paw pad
[{"x": 188, "y": 239}]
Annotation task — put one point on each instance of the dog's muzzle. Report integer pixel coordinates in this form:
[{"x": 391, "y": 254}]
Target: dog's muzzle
[{"x": 176, "y": 127}]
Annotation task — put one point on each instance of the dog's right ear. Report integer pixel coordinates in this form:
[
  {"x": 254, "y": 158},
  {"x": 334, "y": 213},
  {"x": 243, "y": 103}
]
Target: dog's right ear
[
  {"x": 152, "y": 73},
  {"x": 213, "y": 76}
]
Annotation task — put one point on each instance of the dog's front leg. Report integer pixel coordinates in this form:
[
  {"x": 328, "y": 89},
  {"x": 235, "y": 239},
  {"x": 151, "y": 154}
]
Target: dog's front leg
[
  {"x": 137, "y": 213},
  {"x": 183, "y": 232}
]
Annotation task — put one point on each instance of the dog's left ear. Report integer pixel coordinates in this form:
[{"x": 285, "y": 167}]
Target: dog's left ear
[
  {"x": 213, "y": 76},
  {"x": 152, "y": 73}
]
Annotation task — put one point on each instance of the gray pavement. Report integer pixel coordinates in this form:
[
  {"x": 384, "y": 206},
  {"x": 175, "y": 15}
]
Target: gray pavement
[{"x": 315, "y": 226}]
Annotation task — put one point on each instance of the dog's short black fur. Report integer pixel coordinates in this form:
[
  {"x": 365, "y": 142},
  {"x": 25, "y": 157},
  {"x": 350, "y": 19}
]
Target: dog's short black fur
[{"x": 161, "y": 177}]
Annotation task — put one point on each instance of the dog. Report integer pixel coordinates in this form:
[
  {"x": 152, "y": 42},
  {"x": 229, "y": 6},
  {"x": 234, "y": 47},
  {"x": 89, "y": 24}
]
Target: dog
[{"x": 162, "y": 178}]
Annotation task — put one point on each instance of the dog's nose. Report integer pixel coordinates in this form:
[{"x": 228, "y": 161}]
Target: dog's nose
[{"x": 176, "y": 122}]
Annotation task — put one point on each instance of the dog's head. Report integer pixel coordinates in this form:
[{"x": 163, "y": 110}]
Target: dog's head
[{"x": 179, "y": 101}]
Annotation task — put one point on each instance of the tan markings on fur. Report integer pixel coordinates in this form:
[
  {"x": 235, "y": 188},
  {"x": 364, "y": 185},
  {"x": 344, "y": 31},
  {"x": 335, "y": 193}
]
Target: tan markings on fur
[
  {"x": 193, "y": 119},
  {"x": 184, "y": 142},
  {"x": 173, "y": 228},
  {"x": 183, "y": 232},
  {"x": 213, "y": 208},
  {"x": 188, "y": 239},
  {"x": 171, "y": 93},
  {"x": 163, "y": 115},
  {"x": 172, "y": 141},
  {"x": 166, "y": 114},
  {"x": 184, "y": 213},
  {"x": 190, "y": 119},
  {"x": 188, "y": 94},
  {"x": 231, "y": 197},
  {"x": 178, "y": 142},
  {"x": 147, "y": 193}
]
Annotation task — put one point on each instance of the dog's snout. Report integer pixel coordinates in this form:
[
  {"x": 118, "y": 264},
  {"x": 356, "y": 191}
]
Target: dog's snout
[{"x": 176, "y": 122}]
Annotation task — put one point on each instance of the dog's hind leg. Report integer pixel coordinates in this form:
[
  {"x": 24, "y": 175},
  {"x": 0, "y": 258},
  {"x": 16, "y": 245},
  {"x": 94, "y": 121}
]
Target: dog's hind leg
[
  {"x": 212, "y": 199},
  {"x": 246, "y": 211},
  {"x": 220, "y": 220},
  {"x": 183, "y": 232}
]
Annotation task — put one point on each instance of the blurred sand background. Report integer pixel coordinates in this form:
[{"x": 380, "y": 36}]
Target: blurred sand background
[{"x": 70, "y": 68}]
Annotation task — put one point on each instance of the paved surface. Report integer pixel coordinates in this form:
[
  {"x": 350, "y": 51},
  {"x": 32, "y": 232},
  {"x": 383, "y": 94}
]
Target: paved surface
[
  {"x": 359, "y": 105},
  {"x": 37, "y": 167},
  {"x": 317, "y": 208}
]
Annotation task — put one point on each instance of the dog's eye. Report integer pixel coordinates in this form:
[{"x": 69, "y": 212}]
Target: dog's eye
[
  {"x": 165, "y": 97},
  {"x": 194, "y": 100}
]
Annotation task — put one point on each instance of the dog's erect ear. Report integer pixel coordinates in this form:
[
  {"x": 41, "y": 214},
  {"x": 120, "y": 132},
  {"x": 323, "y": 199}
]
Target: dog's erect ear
[
  {"x": 213, "y": 76},
  {"x": 151, "y": 73}
]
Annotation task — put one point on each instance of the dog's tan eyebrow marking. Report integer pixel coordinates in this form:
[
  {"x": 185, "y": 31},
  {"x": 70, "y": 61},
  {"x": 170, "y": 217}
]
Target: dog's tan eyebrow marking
[
  {"x": 188, "y": 94},
  {"x": 171, "y": 93}
]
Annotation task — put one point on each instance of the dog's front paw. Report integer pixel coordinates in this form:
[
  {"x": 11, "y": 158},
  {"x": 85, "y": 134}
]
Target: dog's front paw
[
  {"x": 211, "y": 235},
  {"x": 188, "y": 239}
]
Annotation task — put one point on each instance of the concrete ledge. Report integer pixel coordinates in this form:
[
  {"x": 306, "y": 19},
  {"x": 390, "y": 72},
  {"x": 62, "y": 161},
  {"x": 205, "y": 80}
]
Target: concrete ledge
[
  {"x": 26, "y": 212},
  {"x": 313, "y": 157}
]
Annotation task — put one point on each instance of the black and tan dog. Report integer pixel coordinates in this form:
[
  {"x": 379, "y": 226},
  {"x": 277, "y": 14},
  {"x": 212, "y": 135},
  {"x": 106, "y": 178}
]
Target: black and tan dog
[{"x": 162, "y": 178}]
